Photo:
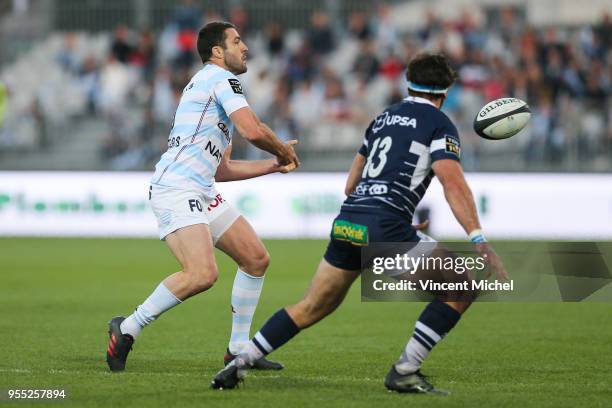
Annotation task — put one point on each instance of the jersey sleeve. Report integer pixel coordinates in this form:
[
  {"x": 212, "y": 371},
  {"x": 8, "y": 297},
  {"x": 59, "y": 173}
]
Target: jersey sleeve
[
  {"x": 228, "y": 93},
  {"x": 363, "y": 150},
  {"x": 445, "y": 143}
]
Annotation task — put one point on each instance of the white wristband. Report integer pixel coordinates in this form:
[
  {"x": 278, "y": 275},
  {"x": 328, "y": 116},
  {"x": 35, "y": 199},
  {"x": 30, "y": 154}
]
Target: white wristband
[{"x": 477, "y": 236}]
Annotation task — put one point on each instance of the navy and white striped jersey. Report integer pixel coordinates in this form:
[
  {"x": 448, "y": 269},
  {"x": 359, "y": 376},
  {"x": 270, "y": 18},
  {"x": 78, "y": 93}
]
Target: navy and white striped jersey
[{"x": 400, "y": 145}]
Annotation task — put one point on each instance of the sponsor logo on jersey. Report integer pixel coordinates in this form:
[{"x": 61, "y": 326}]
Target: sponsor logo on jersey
[
  {"x": 195, "y": 205},
  {"x": 213, "y": 150},
  {"x": 236, "y": 86},
  {"x": 215, "y": 203},
  {"x": 393, "y": 120},
  {"x": 452, "y": 145},
  {"x": 225, "y": 130},
  {"x": 361, "y": 189},
  {"x": 372, "y": 189},
  {"x": 376, "y": 189},
  {"x": 347, "y": 231}
]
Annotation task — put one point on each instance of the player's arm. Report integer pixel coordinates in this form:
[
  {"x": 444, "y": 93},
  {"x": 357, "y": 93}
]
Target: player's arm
[
  {"x": 228, "y": 93},
  {"x": 232, "y": 170},
  {"x": 354, "y": 174},
  {"x": 260, "y": 135},
  {"x": 457, "y": 193},
  {"x": 445, "y": 151},
  {"x": 461, "y": 201},
  {"x": 358, "y": 164}
]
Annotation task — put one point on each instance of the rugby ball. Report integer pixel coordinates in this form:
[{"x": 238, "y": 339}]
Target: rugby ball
[{"x": 502, "y": 118}]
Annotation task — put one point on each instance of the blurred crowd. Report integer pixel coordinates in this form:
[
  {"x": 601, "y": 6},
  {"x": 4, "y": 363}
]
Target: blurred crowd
[{"x": 325, "y": 83}]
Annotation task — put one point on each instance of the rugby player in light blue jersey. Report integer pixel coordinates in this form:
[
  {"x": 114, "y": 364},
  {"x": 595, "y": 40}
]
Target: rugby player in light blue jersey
[{"x": 193, "y": 217}]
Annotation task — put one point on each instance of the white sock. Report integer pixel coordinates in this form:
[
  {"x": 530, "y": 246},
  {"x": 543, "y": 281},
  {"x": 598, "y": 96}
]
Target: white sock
[
  {"x": 249, "y": 354},
  {"x": 420, "y": 344},
  {"x": 160, "y": 300},
  {"x": 245, "y": 296}
]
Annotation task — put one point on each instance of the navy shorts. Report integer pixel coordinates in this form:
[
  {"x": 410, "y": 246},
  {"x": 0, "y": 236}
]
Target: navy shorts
[{"x": 352, "y": 230}]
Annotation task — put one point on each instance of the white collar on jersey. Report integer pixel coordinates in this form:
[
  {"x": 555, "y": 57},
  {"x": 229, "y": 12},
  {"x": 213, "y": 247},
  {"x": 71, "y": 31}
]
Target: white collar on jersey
[{"x": 418, "y": 99}]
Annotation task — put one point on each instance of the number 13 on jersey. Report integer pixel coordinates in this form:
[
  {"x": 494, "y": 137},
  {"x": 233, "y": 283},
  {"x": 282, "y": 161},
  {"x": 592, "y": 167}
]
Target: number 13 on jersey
[{"x": 380, "y": 148}]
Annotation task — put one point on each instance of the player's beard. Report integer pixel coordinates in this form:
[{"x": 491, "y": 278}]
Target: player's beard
[{"x": 235, "y": 65}]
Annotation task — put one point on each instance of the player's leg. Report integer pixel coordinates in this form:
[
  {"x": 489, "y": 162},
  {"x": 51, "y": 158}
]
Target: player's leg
[
  {"x": 437, "y": 319},
  {"x": 327, "y": 290},
  {"x": 237, "y": 238},
  {"x": 192, "y": 246},
  {"x": 246, "y": 249},
  {"x": 184, "y": 225},
  {"x": 336, "y": 273},
  {"x": 435, "y": 322}
]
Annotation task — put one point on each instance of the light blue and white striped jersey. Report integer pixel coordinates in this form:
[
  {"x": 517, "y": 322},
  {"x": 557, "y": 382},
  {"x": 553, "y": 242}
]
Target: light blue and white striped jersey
[{"x": 201, "y": 130}]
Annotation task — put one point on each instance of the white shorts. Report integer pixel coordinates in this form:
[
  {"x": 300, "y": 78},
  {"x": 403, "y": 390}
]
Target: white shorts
[{"x": 176, "y": 208}]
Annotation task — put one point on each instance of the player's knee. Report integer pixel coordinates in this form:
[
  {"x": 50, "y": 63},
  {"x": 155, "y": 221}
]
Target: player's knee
[
  {"x": 204, "y": 282},
  {"x": 202, "y": 278},
  {"x": 262, "y": 260},
  {"x": 257, "y": 263}
]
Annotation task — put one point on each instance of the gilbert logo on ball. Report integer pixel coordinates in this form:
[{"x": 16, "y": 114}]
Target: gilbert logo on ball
[{"x": 502, "y": 118}]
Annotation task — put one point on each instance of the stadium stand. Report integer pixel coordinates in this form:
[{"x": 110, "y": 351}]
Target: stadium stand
[{"x": 108, "y": 96}]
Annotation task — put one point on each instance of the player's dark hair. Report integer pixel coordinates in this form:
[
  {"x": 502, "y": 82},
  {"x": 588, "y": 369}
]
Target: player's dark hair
[
  {"x": 212, "y": 35},
  {"x": 430, "y": 70}
]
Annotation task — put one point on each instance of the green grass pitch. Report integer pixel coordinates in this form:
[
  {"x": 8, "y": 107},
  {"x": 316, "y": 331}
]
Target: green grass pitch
[{"x": 56, "y": 296}]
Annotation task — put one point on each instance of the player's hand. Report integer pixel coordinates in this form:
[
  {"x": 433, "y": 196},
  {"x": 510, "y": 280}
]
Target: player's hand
[
  {"x": 288, "y": 158},
  {"x": 493, "y": 261},
  {"x": 287, "y": 168},
  {"x": 421, "y": 226}
]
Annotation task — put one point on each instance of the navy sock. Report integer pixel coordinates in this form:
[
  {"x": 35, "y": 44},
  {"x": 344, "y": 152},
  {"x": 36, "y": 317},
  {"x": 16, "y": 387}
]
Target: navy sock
[
  {"x": 436, "y": 320},
  {"x": 278, "y": 330},
  {"x": 439, "y": 317}
]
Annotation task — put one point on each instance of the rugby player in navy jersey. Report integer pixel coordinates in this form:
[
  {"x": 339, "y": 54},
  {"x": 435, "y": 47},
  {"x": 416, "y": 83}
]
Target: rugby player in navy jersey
[{"x": 404, "y": 148}]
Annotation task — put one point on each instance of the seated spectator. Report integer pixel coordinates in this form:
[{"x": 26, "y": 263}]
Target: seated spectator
[
  {"x": 121, "y": 47},
  {"x": 359, "y": 27},
  {"x": 320, "y": 35},
  {"x": 275, "y": 38},
  {"x": 366, "y": 63},
  {"x": 68, "y": 57}
]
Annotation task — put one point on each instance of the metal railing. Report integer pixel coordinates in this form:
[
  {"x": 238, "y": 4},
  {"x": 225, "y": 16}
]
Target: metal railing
[{"x": 103, "y": 15}]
